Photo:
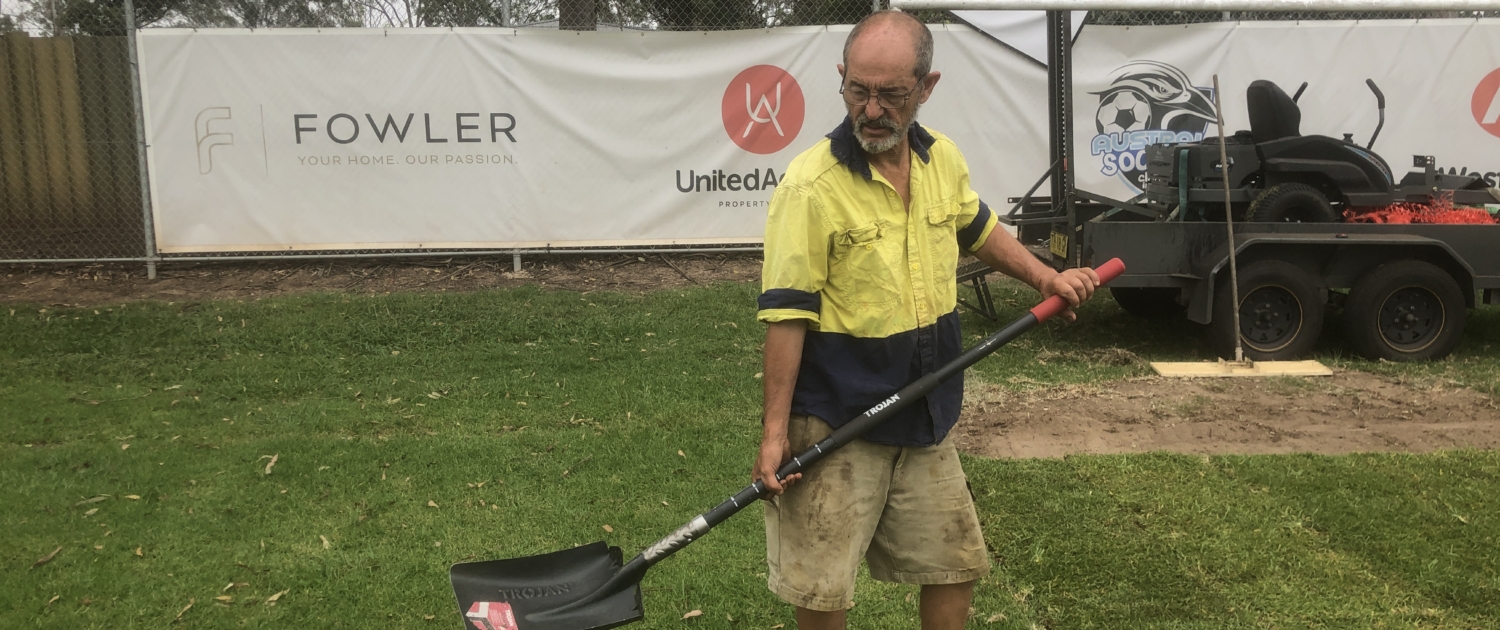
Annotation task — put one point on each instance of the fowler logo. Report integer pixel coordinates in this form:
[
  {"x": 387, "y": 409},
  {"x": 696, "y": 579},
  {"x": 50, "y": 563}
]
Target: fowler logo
[
  {"x": 763, "y": 109},
  {"x": 1486, "y": 103},
  {"x": 207, "y": 138}
]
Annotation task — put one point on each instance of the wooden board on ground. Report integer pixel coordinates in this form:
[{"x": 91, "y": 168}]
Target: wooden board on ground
[{"x": 1222, "y": 369}]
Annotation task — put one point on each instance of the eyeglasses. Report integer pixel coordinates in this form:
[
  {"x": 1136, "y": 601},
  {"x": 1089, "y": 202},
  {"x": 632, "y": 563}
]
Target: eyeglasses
[{"x": 858, "y": 96}]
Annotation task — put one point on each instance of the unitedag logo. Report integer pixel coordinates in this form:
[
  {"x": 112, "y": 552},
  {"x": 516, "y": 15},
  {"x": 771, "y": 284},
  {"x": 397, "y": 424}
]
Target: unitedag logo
[
  {"x": 763, "y": 109},
  {"x": 1486, "y": 103}
]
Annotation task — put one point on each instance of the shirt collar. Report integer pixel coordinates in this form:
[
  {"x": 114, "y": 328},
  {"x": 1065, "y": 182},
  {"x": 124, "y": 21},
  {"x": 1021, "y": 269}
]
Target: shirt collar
[{"x": 845, "y": 147}]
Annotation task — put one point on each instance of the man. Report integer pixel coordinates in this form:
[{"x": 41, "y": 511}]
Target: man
[{"x": 862, "y": 243}]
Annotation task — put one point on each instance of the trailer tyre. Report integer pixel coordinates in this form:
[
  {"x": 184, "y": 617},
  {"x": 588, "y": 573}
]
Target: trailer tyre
[
  {"x": 1406, "y": 310},
  {"x": 1148, "y": 302},
  {"x": 1281, "y": 313},
  {"x": 1291, "y": 203}
]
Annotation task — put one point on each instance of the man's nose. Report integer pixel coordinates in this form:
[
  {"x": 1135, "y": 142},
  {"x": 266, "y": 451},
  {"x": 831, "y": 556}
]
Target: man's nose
[{"x": 873, "y": 109}]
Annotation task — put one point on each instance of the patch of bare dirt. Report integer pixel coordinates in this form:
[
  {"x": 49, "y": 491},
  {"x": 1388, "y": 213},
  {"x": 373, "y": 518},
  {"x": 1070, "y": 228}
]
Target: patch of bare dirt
[
  {"x": 1348, "y": 412},
  {"x": 89, "y": 285}
]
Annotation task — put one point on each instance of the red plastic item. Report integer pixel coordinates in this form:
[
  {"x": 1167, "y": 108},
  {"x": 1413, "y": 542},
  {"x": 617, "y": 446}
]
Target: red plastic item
[{"x": 1440, "y": 211}]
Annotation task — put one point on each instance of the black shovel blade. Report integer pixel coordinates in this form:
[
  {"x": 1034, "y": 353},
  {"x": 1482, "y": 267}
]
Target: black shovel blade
[{"x": 512, "y": 594}]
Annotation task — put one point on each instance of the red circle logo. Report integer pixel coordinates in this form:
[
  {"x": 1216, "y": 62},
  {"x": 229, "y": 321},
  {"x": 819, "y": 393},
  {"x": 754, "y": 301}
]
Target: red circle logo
[
  {"x": 1486, "y": 103},
  {"x": 763, "y": 109}
]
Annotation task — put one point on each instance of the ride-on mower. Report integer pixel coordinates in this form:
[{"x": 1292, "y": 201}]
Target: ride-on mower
[{"x": 1278, "y": 175}]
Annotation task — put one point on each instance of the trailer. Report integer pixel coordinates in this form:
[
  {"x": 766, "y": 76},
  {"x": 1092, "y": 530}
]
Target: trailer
[{"x": 1401, "y": 291}]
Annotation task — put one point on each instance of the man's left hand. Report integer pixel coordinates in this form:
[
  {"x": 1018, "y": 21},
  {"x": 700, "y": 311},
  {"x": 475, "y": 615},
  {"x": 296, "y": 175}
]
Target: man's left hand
[{"x": 1073, "y": 285}]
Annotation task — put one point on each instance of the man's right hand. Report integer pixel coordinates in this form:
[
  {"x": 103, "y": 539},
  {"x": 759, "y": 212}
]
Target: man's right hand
[{"x": 774, "y": 452}]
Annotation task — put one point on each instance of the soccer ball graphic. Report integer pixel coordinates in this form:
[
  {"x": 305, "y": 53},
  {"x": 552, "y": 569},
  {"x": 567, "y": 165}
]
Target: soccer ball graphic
[{"x": 1124, "y": 110}]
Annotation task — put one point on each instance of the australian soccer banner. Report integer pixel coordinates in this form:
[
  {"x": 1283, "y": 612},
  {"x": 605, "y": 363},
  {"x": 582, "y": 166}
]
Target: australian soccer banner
[
  {"x": 303, "y": 139},
  {"x": 1142, "y": 85}
]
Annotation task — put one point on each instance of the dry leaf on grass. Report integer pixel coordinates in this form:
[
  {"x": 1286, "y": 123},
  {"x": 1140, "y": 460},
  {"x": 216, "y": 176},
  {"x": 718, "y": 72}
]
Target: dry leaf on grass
[
  {"x": 47, "y": 558},
  {"x": 184, "y": 610},
  {"x": 124, "y": 446},
  {"x": 138, "y": 553},
  {"x": 429, "y": 617},
  {"x": 325, "y": 541},
  {"x": 54, "y": 598},
  {"x": 271, "y": 601},
  {"x": 271, "y": 463},
  {"x": 609, "y": 529},
  {"x": 93, "y": 500},
  {"x": 91, "y": 512},
  {"x": 225, "y": 598},
  {"x": 693, "y": 613},
  {"x": 995, "y": 617},
  {"x": 133, "y": 497},
  {"x": 778, "y": 626},
  {"x": 681, "y": 454},
  {"x": 431, "y": 503}
]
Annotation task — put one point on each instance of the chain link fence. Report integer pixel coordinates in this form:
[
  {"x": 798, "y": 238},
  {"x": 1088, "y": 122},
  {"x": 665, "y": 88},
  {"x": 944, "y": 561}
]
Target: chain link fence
[{"x": 70, "y": 176}]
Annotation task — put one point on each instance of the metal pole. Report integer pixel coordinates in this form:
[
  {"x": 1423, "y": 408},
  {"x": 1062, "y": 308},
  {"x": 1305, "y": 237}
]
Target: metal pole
[
  {"x": 1234, "y": 276},
  {"x": 874, "y": 6},
  {"x": 140, "y": 140},
  {"x": 515, "y": 262},
  {"x": 1059, "y": 122},
  {"x": 505, "y": 13}
]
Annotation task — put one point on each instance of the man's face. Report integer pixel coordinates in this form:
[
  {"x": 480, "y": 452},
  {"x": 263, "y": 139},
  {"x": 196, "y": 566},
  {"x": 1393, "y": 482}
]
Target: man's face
[{"x": 880, "y": 72}]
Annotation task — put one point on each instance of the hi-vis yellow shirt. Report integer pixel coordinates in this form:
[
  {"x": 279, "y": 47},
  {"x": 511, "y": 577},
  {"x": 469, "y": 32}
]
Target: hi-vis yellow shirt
[{"x": 874, "y": 280}]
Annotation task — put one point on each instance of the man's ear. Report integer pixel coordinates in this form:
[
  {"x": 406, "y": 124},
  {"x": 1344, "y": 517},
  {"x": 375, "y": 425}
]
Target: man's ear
[
  {"x": 841, "y": 69},
  {"x": 928, "y": 83}
]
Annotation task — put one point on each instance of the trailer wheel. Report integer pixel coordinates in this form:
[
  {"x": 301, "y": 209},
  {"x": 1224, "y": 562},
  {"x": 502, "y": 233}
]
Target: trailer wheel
[
  {"x": 1406, "y": 310},
  {"x": 1148, "y": 302},
  {"x": 1281, "y": 314},
  {"x": 1291, "y": 203}
]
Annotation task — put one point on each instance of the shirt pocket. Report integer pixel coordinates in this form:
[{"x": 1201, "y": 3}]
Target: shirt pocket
[
  {"x": 942, "y": 238},
  {"x": 864, "y": 267}
]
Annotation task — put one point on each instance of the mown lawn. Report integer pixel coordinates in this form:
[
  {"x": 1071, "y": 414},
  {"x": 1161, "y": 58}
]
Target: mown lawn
[{"x": 412, "y": 431}]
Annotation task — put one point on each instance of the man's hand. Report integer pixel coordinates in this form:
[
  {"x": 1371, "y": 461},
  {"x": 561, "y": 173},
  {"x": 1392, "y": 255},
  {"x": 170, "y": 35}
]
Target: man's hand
[
  {"x": 774, "y": 452},
  {"x": 1073, "y": 285}
]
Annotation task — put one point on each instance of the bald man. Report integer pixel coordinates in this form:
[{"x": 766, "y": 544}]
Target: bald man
[{"x": 860, "y": 298}]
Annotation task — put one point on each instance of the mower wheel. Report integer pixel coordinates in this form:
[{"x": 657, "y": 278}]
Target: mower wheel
[
  {"x": 1291, "y": 203},
  {"x": 1406, "y": 310},
  {"x": 1148, "y": 302},
  {"x": 1281, "y": 313}
]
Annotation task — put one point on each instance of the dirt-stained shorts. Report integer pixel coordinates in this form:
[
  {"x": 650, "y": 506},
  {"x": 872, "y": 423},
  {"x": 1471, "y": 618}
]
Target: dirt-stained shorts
[{"x": 905, "y": 510}]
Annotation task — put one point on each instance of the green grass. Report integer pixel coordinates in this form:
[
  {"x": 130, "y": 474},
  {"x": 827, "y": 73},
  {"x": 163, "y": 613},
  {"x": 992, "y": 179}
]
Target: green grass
[{"x": 571, "y": 409}]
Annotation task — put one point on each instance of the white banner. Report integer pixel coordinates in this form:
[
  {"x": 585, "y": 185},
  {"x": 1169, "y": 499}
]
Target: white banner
[
  {"x": 1139, "y": 85},
  {"x": 501, "y": 138}
]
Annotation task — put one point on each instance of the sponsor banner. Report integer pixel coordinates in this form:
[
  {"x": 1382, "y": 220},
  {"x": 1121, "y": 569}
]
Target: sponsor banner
[
  {"x": 292, "y": 139},
  {"x": 1142, "y": 85}
]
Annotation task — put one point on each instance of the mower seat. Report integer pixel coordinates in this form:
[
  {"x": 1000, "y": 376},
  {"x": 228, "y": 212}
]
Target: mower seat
[{"x": 1273, "y": 114}]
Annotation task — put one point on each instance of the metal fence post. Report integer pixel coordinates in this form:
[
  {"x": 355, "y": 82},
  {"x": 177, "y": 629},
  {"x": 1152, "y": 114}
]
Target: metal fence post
[
  {"x": 140, "y": 140},
  {"x": 505, "y": 13}
]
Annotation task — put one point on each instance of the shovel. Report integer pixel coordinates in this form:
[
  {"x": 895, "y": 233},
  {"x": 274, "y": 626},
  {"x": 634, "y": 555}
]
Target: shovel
[{"x": 587, "y": 588}]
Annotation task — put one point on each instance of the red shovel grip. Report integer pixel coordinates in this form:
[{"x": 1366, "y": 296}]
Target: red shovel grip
[{"x": 1051, "y": 306}]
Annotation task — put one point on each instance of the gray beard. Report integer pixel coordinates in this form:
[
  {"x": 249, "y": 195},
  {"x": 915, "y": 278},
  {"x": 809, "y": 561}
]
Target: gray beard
[{"x": 890, "y": 142}]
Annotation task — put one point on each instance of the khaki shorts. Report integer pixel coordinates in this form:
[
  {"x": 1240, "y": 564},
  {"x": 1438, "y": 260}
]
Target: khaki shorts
[{"x": 907, "y": 511}]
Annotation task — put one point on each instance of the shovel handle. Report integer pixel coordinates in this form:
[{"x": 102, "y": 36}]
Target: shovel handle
[
  {"x": 887, "y": 408},
  {"x": 632, "y": 572},
  {"x": 857, "y": 427}
]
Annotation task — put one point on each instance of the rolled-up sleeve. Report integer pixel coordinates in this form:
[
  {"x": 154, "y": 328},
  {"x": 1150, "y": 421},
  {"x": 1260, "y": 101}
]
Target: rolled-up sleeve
[{"x": 796, "y": 264}]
